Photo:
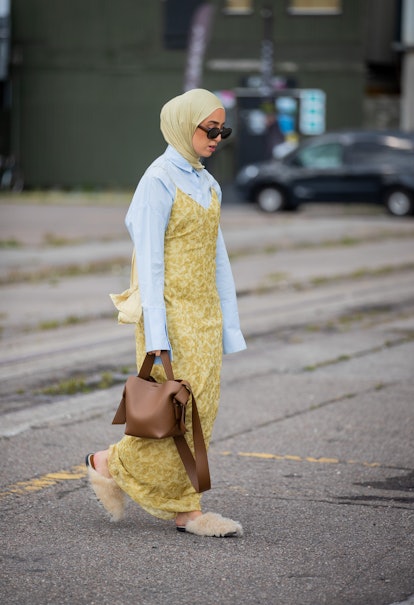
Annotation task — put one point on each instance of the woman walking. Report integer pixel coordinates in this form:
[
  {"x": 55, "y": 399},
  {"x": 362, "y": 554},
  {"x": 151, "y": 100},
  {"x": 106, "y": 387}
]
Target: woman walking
[{"x": 189, "y": 308}]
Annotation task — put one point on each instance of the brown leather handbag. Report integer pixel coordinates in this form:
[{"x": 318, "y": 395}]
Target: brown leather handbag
[{"x": 155, "y": 410}]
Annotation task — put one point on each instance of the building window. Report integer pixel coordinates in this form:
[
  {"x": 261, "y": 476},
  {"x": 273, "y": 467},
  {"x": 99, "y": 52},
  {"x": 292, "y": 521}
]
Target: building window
[
  {"x": 238, "y": 7},
  {"x": 315, "y": 7},
  {"x": 177, "y": 22}
]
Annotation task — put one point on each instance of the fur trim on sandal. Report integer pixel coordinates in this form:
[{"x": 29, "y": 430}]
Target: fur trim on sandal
[
  {"x": 108, "y": 493},
  {"x": 212, "y": 524}
]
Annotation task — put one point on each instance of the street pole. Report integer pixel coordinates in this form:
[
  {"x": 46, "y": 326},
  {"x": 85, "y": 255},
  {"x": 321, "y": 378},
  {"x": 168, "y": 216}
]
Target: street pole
[
  {"x": 267, "y": 50},
  {"x": 407, "y": 79}
]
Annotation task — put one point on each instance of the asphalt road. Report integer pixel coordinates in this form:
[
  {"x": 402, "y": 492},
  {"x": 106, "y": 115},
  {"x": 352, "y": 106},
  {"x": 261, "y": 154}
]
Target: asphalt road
[{"x": 312, "y": 450}]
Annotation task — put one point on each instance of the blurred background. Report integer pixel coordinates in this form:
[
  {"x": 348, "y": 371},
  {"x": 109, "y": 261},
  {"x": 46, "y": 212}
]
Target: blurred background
[{"x": 82, "y": 83}]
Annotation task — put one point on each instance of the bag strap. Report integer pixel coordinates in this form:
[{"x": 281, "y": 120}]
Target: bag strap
[
  {"x": 196, "y": 466},
  {"x": 148, "y": 362}
]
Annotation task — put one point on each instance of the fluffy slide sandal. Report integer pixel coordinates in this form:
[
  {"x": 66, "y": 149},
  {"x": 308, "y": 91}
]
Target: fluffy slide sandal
[
  {"x": 108, "y": 493},
  {"x": 212, "y": 524}
]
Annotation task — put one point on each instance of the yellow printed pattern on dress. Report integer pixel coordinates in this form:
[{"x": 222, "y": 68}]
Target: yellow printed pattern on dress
[{"x": 150, "y": 471}]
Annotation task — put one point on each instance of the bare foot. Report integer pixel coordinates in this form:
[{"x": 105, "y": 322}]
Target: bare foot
[
  {"x": 182, "y": 518},
  {"x": 100, "y": 462}
]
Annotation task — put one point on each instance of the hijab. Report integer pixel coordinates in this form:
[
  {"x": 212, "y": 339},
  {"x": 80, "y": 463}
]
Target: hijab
[{"x": 180, "y": 117}]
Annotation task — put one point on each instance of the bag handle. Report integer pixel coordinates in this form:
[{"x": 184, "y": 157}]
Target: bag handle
[
  {"x": 196, "y": 466},
  {"x": 148, "y": 362}
]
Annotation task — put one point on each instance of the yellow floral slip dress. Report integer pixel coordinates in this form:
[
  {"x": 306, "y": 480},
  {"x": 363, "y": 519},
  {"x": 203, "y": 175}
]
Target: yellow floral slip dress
[{"x": 150, "y": 471}]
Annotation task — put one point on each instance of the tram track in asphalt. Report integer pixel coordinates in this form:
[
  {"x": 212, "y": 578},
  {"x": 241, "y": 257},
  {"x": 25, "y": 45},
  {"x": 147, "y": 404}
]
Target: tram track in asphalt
[
  {"x": 43, "y": 376},
  {"x": 30, "y": 365}
]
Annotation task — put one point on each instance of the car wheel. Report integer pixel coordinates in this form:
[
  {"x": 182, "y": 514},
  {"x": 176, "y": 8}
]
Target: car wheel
[
  {"x": 271, "y": 199},
  {"x": 399, "y": 202}
]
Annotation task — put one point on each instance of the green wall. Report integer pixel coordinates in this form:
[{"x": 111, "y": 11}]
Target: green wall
[{"x": 89, "y": 78}]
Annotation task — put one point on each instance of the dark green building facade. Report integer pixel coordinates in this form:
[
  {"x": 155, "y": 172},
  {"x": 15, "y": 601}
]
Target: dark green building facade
[{"x": 88, "y": 77}]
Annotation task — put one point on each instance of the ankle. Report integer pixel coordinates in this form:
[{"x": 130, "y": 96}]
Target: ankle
[
  {"x": 100, "y": 463},
  {"x": 183, "y": 518}
]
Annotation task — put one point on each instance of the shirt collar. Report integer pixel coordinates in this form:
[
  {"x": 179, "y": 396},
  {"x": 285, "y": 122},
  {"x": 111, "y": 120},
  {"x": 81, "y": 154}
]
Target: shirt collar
[{"x": 178, "y": 160}]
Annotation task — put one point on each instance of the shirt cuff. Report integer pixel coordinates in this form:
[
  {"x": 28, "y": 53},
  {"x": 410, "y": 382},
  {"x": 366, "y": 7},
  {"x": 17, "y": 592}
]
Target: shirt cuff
[
  {"x": 155, "y": 328},
  {"x": 233, "y": 340}
]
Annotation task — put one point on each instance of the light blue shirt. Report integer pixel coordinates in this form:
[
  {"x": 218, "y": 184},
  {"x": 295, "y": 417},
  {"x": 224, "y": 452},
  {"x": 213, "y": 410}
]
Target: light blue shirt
[{"x": 147, "y": 220}]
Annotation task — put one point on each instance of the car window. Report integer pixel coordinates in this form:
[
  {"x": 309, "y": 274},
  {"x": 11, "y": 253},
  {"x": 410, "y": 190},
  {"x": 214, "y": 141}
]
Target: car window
[
  {"x": 328, "y": 155},
  {"x": 366, "y": 151}
]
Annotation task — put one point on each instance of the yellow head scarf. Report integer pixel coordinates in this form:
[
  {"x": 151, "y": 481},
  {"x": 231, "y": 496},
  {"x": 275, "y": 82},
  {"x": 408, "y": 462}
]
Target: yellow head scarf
[{"x": 181, "y": 116}]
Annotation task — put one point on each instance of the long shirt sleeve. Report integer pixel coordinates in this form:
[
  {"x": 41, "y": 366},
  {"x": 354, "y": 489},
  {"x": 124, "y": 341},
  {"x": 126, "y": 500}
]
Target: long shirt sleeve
[{"x": 147, "y": 220}]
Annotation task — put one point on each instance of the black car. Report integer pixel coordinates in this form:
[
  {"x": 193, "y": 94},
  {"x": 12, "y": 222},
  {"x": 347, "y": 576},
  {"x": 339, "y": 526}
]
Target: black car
[{"x": 348, "y": 166}]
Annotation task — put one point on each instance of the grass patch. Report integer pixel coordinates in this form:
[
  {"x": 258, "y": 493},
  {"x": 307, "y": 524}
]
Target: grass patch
[
  {"x": 314, "y": 328},
  {"x": 80, "y": 384},
  {"x": 72, "y": 320},
  {"x": 88, "y": 196},
  {"x": 67, "y": 387},
  {"x": 49, "y": 239},
  {"x": 321, "y": 280},
  {"x": 68, "y": 321},
  {"x": 408, "y": 337},
  {"x": 328, "y": 362},
  {"x": 344, "y": 241},
  {"x": 9, "y": 243},
  {"x": 357, "y": 274},
  {"x": 278, "y": 277},
  {"x": 53, "y": 274},
  {"x": 277, "y": 281}
]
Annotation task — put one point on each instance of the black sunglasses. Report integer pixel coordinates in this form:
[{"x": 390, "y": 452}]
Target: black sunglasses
[{"x": 212, "y": 133}]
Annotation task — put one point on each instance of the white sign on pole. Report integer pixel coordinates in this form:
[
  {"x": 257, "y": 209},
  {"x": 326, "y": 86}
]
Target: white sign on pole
[{"x": 312, "y": 111}]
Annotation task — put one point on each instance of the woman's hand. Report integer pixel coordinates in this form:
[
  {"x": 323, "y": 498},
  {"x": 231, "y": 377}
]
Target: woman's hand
[{"x": 156, "y": 353}]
